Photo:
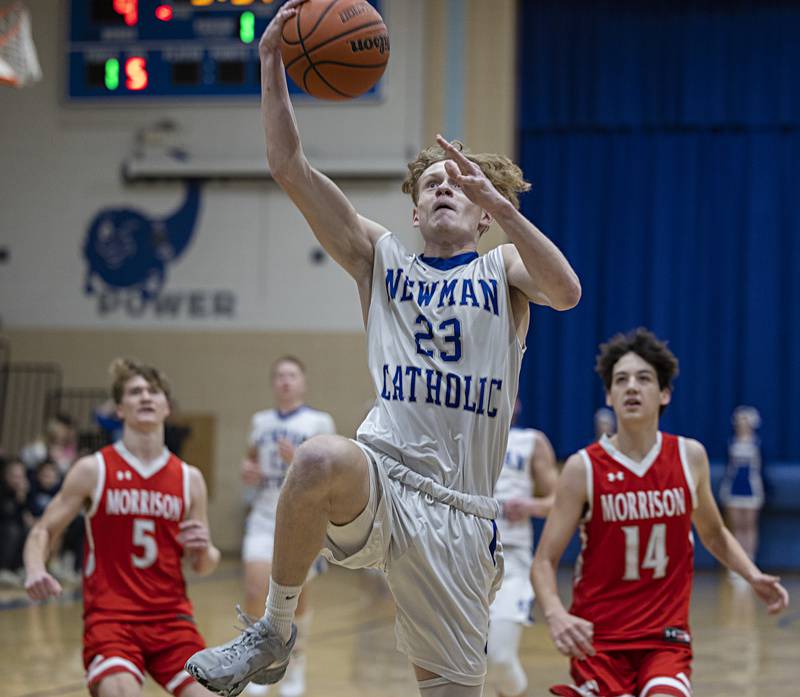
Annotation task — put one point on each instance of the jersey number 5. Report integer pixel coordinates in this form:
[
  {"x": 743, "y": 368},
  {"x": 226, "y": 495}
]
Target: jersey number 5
[
  {"x": 144, "y": 531},
  {"x": 655, "y": 556}
]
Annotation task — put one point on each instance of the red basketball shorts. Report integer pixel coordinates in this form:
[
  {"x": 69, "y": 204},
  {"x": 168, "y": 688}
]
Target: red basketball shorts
[
  {"x": 631, "y": 673},
  {"x": 160, "y": 648}
]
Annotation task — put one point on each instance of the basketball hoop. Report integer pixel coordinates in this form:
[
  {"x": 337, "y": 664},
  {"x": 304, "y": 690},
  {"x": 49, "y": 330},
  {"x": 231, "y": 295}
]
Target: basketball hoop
[{"x": 18, "y": 62}]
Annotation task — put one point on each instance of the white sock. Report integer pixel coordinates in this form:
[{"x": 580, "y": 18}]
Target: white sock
[{"x": 281, "y": 604}]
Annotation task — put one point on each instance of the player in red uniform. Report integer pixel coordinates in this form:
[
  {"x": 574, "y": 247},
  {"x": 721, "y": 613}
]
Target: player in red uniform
[
  {"x": 145, "y": 510},
  {"x": 635, "y": 496}
]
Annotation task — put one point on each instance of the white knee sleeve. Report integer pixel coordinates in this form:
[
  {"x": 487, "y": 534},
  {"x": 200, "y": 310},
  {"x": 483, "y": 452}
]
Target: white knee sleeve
[
  {"x": 441, "y": 687},
  {"x": 505, "y": 671}
]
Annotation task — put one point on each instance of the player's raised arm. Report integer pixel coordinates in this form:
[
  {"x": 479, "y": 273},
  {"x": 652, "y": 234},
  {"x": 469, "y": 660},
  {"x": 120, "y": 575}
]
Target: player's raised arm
[
  {"x": 534, "y": 265},
  {"x": 571, "y": 635},
  {"x": 721, "y": 542},
  {"x": 345, "y": 235},
  {"x": 79, "y": 485}
]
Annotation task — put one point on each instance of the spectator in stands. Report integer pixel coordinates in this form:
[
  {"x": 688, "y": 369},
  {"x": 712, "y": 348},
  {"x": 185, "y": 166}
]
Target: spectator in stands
[
  {"x": 15, "y": 520},
  {"x": 45, "y": 485},
  {"x": 105, "y": 416},
  {"x": 59, "y": 443},
  {"x": 62, "y": 441}
]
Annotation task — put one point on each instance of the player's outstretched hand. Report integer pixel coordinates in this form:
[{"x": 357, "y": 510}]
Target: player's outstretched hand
[
  {"x": 193, "y": 535},
  {"x": 41, "y": 586},
  {"x": 770, "y": 590},
  {"x": 271, "y": 38},
  {"x": 571, "y": 635},
  {"x": 251, "y": 472},
  {"x": 469, "y": 177}
]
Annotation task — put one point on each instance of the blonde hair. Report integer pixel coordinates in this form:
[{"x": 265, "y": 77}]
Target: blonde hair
[
  {"x": 123, "y": 369},
  {"x": 506, "y": 176}
]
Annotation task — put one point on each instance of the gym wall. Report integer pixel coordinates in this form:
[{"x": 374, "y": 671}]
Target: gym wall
[{"x": 249, "y": 285}]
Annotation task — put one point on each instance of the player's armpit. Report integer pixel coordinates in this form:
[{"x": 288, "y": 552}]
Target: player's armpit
[{"x": 706, "y": 516}]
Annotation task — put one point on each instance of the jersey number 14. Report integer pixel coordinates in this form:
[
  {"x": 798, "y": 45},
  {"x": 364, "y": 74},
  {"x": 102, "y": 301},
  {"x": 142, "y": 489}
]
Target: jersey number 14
[{"x": 655, "y": 556}]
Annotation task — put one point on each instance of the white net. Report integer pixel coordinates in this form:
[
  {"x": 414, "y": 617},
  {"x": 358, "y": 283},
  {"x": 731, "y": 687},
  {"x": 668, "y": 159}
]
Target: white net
[{"x": 18, "y": 62}]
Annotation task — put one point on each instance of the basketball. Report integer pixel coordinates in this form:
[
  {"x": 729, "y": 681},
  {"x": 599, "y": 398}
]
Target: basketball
[{"x": 335, "y": 49}]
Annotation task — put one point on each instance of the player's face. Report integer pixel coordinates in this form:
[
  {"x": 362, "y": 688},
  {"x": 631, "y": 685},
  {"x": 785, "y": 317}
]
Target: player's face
[
  {"x": 47, "y": 477},
  {"x": 143, "y": 405},
  {"x": 635, "y": 395},
  {"x": 288, "y": 382},
  {"x": 443, "y": 212}
]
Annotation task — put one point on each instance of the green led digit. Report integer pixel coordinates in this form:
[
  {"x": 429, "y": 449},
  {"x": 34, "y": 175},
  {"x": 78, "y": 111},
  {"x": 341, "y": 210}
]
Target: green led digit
[
  {"x": 112, "y": 74},
  {"x": 247, "y": 27}
]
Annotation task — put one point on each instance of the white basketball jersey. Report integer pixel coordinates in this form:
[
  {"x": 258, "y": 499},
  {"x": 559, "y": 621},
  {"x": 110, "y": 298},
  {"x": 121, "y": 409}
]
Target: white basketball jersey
[
  {"x": 271, "y": 426},
  {"x": 444, "y": 357},
  {"x": 516, "y": 482}
]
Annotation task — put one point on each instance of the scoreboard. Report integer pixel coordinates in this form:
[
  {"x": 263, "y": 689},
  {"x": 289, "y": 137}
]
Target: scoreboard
[{"x": 137, "y": 50}]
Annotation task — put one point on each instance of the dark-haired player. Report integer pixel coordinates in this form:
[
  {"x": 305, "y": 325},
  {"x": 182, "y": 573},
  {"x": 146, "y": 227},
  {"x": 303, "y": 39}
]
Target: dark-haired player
[
  {"x": 145, "y": 511},
  {"x": 635, "y": 496}
]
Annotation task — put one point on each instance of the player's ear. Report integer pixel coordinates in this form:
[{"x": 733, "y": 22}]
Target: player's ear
[
  {"x": 485, "y": 222},
  {"x": 608, "y": 400},
  {"x": 415, "y": 217},
  {"x": 666, "y": 396}
]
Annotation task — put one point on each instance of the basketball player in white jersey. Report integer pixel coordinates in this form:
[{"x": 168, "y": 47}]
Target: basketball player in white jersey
[
  {"x": 445, "y": 333},
  {"x": 274, "y": 436},
  {"x": 525, "y": 490}
]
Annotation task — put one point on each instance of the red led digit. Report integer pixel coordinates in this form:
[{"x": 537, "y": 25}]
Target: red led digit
[
  {"x": 129, "y": 9},
  {"x": 136, "y": 73},
  {"x": 164, "y": 13}
]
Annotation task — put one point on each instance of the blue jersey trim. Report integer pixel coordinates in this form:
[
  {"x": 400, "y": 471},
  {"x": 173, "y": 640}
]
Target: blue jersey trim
[
  {"x": 447, "y": 263},
  {"x": 283, "y": 415},
  {"x": 493, "y": 543}
]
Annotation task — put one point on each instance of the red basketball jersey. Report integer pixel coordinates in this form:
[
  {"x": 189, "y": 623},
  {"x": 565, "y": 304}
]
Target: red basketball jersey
[
  {"x": 633, "y": 579},
  {"x": 132, "y": 568}
]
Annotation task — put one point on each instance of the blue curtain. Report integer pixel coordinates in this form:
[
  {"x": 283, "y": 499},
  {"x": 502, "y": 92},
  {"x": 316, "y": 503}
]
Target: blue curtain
[{"x": 663, "y": 143}]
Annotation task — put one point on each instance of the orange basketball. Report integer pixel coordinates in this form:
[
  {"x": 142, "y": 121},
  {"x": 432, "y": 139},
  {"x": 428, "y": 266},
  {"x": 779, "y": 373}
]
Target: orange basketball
[{"x": 335, "y": 49}]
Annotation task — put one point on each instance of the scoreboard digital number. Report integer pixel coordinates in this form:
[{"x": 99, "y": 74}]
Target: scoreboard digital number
[{"x": 131, "y": 50}]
